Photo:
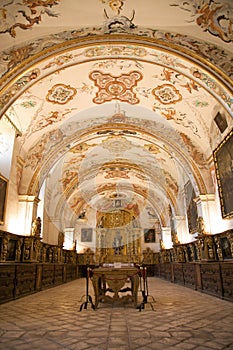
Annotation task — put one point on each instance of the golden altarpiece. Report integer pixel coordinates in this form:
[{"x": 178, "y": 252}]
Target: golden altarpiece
[{"x": 118, "y": 237}]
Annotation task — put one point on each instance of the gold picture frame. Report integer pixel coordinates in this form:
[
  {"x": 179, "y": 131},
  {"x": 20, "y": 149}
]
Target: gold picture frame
[
  {"x": 3, "y": 196},
  {"x": 223, "y": 160}
]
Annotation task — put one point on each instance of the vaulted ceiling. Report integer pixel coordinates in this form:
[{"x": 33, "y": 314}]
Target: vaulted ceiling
[{"x": 116, "y": 100}]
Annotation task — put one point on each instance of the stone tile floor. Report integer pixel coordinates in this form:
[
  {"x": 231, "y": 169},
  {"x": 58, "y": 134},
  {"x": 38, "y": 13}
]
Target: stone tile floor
[{"x": 182, "y": 319}]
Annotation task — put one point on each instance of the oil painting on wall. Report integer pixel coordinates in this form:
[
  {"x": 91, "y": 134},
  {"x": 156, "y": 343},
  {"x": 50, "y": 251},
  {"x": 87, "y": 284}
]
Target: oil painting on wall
[
  {"x": 191, "y": 207},
  {"x": 223, "y": 158},
  {"x": 86, "y": 235},
  {"x": 149, "y": 235},
  {"x": 3, "y": 193}
]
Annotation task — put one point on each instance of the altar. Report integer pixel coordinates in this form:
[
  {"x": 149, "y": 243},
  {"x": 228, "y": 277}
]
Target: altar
[
  {"x": 118, "y": 245},
  {"x": 115, "y": 285}
]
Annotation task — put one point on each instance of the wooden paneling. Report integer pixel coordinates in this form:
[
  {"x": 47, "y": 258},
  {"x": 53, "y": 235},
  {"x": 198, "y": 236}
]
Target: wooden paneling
[
  {"x": 71, "y": 272},
  {"x": 58, "y": 274},
  {"x": 165, "y": 271},
  {"x": 189, "y": 275},
  {"x": 47, "y": 276},
  {"x": 227, "y": 280},
  {"x": 21, "y": 279},
  {"x": 211, "y": 279},
  {"x": 178, "y": 273},
  {"x": 25, "y": 279},
  {"x": 7, "y": 282},
  {"x": 17, "y": 280},
  {"x": 215, "y": 278}
]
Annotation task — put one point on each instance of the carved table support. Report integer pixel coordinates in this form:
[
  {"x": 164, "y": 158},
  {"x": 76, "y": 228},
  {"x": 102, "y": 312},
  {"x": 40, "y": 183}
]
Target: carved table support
[{"x": 113, "y": 280}]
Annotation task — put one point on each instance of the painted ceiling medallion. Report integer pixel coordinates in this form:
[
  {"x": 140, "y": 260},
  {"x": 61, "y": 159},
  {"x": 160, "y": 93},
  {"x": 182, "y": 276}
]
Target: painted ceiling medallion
[
  {"x": 115, "y": 87},
  {"x": 61, "y": 94},
  {"x": 117, "y": 145},
  {"x": 116, "y": 172},
  {"x": 167, "y": 94}
]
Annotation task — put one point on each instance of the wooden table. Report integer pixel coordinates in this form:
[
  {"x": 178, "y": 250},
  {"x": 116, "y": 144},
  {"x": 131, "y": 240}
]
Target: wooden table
[{"x": 112, "y": 280}]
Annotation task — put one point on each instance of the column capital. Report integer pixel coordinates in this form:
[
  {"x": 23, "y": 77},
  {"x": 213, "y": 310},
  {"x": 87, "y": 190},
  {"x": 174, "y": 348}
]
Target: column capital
[
  {"x": 205, "y": 198},
  {"x": 180, "y": 217},
  {"x": 28, "y": 198},
  {"x": 166, "y": 228}
]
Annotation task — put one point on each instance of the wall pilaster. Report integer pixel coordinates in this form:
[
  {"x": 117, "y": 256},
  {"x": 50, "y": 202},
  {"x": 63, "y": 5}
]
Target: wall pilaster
[
  {"x": 166, "y": 237},
  {"x": 27, "y": 212},
  {"x": 182, "y": 229},
  {"x": 206, "y": 207}
]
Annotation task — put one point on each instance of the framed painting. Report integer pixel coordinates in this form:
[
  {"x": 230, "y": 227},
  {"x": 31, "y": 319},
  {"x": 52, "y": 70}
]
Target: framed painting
[
  {"x": 191, "y": 207},
  {"x": 223, "y": 160},
  {"x": 117, "y": 203},
  {"x": 86, "y": 235},
  {"x": 3, "y": 194},
  {"x": 221, "y": 122},
  {"x": 149, "y": 235}
]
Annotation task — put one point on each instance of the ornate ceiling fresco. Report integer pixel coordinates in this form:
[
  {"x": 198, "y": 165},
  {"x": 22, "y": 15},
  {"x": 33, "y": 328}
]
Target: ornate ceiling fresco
[{"x": 113, "y": 102}]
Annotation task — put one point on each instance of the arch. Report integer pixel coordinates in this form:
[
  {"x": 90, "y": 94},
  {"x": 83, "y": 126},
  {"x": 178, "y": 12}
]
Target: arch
[{"x": 159, "y": 74}]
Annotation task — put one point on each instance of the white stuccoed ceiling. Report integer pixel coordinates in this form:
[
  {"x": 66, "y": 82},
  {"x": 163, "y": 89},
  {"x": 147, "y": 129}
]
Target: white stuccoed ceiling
[{"x": 112, "y": 111}]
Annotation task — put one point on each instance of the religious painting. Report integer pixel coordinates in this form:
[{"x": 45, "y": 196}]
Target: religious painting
[
  {"x": 11, "y": 250},
  {"x": 221, "y": 122},
  {"x": 226, "y": 248},
  {"x": 191, "y": 207},
  {"x": 3, "y": 194},
  {"x": 86, "y": 235},
  {"x": 149, "y": 235},
  {"x": 223, "y": 160},
  {"x": 117, "y": 203}
]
